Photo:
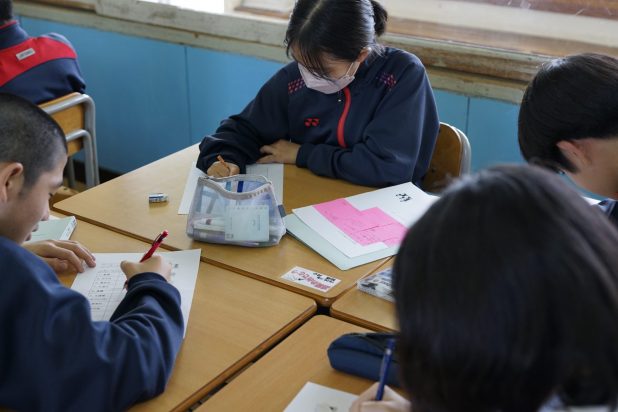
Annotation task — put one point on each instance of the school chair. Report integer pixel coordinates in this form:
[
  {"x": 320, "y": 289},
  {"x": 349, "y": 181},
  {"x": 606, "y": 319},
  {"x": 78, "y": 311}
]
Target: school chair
[
  {"x": 75, "y": 113},
  {"x": 451, "y": 159}
]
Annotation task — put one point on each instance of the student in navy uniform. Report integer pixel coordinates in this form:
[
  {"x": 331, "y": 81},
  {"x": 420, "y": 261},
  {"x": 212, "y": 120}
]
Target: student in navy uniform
[
  {"x": 36, "y": 68},
  {"x": 53, "y": 357},
  {"x": 568, "y": 121},
  {"x": 347, "y": 107},
  {"x": 506, "y": 292}
]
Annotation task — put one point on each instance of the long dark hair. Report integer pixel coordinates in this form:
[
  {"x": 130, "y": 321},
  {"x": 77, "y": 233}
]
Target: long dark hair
[
  {"x": 338, "y": 28},
  {"x": 507, "y": 295},
  {"x": 569, "y": 98}
]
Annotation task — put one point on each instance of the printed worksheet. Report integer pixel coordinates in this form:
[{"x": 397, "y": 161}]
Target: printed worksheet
[
  {"x": 369, "y": 222},
  {"x": 271, "y": 171},
  {"x": 103, "y": 285},
  {"x": 317, "y": 398}
]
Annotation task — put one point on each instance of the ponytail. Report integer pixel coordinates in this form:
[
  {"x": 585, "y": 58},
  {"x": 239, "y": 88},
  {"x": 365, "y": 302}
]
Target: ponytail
[{"x": 380, "y": 16}]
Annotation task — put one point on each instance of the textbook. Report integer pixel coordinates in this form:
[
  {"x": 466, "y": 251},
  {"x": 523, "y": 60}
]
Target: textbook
[
  {"x": 54, "y": 229},
  {"x": 379, "y": 284},
  {"x": 359, "y": 229}
]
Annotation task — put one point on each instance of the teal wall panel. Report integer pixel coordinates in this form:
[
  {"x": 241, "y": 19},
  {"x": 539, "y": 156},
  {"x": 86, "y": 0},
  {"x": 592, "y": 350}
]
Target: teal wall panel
[
  {"x": 140, "y": 90},
  {"x": 453, "y": 109},
  {"x": 222, "y": 84},
  {"x": 492, "y": 131}
]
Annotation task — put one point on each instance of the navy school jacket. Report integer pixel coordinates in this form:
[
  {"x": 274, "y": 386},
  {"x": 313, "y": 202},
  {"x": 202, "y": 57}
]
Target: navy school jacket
[
  {"x": 378, "y": 131},
  {"x": 37, "y": 68},
  {"x": 54, "y": 358}
]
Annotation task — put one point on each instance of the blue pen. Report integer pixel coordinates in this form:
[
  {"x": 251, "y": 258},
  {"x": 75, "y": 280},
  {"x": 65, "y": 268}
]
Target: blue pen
[{"x": 386, "y": 363}]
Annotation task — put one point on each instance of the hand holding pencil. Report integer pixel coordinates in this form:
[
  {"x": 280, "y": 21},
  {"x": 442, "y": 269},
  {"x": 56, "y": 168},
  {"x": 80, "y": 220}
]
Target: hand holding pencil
[
  {"x": 221, "y": 168},
  {"x": 149, "y": 262},
  {"x": 391, "y": 401}
]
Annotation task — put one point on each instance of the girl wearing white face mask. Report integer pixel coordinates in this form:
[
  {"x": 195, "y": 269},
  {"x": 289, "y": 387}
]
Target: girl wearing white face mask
[{"x": 346, "y": 107}]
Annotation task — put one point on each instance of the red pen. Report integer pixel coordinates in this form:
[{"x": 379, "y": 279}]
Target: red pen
[{"x": 155, "y": 244}]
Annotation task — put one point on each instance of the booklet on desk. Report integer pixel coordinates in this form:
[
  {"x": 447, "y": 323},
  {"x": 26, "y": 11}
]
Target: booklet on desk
[
  {"x": 54, "y": 229},
  {"x": 359, "y": 229}
]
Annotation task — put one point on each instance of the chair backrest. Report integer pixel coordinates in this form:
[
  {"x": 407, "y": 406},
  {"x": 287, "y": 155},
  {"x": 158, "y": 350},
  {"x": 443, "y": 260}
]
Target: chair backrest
[
  {"x": 75, "y": 113},
  {"x": 451, "y": 159}
]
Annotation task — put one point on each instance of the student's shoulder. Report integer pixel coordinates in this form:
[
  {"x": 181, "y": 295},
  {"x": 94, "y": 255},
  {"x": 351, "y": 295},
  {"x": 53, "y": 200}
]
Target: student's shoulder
[
  {"x": 401, "y": 59},
  {"x": 287, "y": 73},
  {"x": 402, "y": 65},
  {"x": 287, "y": 79},
  {"x": 57, "y": 39}
]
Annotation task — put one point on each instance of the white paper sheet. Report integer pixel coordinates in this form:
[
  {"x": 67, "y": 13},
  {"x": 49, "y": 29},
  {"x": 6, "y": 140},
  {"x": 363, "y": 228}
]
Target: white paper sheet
[
  {"x": 317, "y": 398},
  {"x": 272, "y": 171},
  {"x": 103, "y": 285},
  {"x": 405, "y": 203}
]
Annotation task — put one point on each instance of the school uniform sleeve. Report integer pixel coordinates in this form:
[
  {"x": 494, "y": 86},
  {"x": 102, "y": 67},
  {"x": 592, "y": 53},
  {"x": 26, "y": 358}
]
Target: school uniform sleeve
[
  {"x": 396, "y": 146},
  {"x": 263, "y": 121},
  {"x": 54, "y": 358}
]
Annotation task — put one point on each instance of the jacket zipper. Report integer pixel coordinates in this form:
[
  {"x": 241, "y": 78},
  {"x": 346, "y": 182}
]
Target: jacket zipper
[{"x": 344, "y": 115}]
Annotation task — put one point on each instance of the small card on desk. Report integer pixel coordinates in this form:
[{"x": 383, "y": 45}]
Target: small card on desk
[{"x": 309, "y": 278}]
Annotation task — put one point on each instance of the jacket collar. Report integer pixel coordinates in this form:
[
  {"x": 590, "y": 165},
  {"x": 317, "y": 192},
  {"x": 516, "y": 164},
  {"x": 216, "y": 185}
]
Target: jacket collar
[{"x": 11, "y": 34}]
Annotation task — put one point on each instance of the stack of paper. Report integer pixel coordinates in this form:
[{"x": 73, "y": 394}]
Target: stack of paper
[{"x": 360, "y": 229}]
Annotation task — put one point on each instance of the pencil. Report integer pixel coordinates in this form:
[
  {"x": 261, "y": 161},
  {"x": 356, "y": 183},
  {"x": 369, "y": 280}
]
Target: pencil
[
  {"x": 220, "y": 159},
  {"x": 386, "y": 363}
]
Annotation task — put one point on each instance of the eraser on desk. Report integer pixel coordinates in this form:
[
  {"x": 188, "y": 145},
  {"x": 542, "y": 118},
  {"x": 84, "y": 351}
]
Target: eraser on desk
[{"x": 157, "y": 197}]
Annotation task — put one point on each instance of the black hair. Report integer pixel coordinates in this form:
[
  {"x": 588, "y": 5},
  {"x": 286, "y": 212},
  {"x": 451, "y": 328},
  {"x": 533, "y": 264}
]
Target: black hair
[
  {"x": 569, "y": 98},
  {"x": 507, "y": 295},
  {"x": 6, "y": 10},
  {"x": 29, "y": 136},
  {"x": 337, "y": 28}
]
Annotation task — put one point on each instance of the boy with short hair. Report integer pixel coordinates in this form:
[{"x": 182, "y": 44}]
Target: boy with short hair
[
  {"x": 52, "y": 355},
  {"x": 568, "y": 121}
]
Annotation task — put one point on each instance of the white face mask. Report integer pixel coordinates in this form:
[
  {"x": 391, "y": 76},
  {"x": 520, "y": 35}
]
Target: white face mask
[{"x": 326, "y": 86}]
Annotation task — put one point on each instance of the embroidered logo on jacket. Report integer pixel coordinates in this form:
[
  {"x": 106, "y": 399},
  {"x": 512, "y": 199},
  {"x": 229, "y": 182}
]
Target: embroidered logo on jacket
[
  {"x": 295, "y": 85},
  {"x": 312, "y": 122},
  {"x": 387, "y": 79}
]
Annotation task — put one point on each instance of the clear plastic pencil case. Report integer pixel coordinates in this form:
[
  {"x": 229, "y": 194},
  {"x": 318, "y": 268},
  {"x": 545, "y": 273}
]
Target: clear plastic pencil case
[{"x": 237, "y": 210}]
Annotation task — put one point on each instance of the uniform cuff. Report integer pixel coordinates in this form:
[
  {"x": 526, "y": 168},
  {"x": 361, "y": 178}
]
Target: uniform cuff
[{"x": 302, "y": 158}]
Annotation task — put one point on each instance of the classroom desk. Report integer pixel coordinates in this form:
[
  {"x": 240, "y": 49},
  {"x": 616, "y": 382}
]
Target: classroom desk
[
  {"x": 233, "y": 320},
  {"x": 273, "y": 381},
  {"x": 368, "y": 311},
  {"x": 121, "y": 205}
]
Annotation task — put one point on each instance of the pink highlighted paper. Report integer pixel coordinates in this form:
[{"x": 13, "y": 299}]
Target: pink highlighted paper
[{"x": 365, "y": 227}]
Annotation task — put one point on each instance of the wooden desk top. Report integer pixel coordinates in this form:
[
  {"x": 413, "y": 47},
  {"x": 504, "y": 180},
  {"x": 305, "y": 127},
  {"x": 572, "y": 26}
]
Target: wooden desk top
[
  {"x": 272, "y": 382},
  {"x": 233, "y": 320},
  {"x": 368, "y": 311},
  {"x": 122, "y": 205}
]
